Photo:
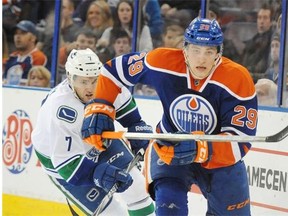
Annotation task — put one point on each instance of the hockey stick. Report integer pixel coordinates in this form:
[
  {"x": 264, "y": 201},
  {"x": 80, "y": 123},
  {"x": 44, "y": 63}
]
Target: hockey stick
[
  {"x": 108, "y": 196},
  {"x": 178, "y": 137}
]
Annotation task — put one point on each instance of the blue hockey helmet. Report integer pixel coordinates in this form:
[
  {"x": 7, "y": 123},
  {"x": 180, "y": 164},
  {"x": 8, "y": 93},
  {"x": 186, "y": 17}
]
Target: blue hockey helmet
[{"x": 203, "y": 32}]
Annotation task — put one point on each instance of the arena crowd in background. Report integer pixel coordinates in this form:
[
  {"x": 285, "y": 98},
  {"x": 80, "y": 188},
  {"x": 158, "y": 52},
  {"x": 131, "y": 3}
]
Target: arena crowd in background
[{"x": 246, "y": 24}]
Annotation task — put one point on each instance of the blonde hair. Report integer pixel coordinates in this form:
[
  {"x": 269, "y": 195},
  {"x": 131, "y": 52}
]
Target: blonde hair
[
  {"x": 105, "y": 14},
  {"x": 42, "y": 71}
]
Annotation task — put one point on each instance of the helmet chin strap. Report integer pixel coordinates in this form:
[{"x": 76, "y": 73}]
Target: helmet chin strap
[{"x": 194, "y": 75}]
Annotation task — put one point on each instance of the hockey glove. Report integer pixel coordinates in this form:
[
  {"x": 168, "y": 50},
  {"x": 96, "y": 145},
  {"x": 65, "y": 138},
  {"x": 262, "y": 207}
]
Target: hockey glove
[
  {"x": 106, "y": 176},
  {"x": 139, "y": 127},
  {"x": 99, "y": 116},
  {"x": 182, "y": 153}
]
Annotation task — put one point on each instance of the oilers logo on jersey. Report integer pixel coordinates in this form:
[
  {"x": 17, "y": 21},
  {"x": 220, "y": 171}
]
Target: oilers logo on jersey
[{"x": 191, "y": 112}]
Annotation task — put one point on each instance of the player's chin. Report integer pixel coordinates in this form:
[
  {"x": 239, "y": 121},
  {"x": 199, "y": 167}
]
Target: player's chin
[
  {"x": 122, "y": 52},
  {"x": 90, "y": 97},
  {"x": 86, "y": 98},
  {"x": 201, "y": 74}
]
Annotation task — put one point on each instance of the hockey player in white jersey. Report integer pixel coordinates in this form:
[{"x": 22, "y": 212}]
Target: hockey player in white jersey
[{"x": 85, "y": 175}]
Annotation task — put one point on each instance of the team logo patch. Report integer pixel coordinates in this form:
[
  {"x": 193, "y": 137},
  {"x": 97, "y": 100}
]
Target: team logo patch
[
  {"x": 92, "y": 194},
  {"x": 160, "y": 162},
  {"x": 193, "y": 113},
  {"x": 93, "y": 154},
  {"x": 67, "y": 114}
]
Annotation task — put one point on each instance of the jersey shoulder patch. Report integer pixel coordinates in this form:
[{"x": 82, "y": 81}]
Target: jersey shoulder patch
[
  {"x": 167, "y": 59},
  {"x": 235, "y": 77},
  {"x": 67, "y": 114}
]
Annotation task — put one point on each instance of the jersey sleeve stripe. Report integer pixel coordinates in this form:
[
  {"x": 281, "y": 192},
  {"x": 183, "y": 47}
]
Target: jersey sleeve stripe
[
  {"x": 248, "y": 95},
  {"x": 107, "y": 74},
  {"x": 128, "y": 107},
  {"x": 236, "y": 151},
  {"x": 74, "y": 158},
  {"x": 105, "y": 83},
  {"x": 121, "y": 72},
  {"x": 162, "y": 70},
  {"x": 225, "y": 129}
]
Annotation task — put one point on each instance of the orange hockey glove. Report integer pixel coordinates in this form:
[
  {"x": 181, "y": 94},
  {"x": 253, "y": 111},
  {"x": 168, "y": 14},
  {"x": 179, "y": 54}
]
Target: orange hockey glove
[
  {"x": 184, "y": 152},
  {"x": 99, "y": 116}
]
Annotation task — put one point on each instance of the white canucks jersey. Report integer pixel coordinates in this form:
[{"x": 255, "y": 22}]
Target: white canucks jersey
[{"x": 57, "y": 135}]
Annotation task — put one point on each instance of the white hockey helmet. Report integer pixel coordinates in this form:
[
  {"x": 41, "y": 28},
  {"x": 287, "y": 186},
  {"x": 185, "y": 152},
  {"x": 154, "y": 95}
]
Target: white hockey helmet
[{"x": 83, "y": 63}]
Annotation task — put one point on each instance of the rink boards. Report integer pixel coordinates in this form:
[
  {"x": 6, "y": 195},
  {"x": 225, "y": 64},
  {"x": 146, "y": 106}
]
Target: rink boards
[{"x": 28, "y": 191}]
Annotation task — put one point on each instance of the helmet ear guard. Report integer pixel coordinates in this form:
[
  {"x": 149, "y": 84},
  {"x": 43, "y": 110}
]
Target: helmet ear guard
[
  {"x": 204, "y": 32},
  {"x": 83, "y": 63}
]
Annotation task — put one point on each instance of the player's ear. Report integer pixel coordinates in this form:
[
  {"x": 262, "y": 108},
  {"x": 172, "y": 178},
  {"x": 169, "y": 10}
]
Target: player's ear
[{"x": 33, "y": 38}]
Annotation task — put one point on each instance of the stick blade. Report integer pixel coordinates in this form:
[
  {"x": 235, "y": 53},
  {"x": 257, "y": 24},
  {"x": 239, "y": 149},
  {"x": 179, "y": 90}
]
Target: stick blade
[{"x": 278, "y": 136}]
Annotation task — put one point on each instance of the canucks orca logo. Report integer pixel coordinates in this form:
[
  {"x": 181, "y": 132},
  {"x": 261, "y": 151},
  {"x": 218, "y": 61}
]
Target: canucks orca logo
[
  {"x": 193, "y": 113},
  {"x": 67, "y": 114}
]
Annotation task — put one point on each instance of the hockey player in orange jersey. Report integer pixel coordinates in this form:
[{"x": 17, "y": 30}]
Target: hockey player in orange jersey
[{"x": 201, "y": 92}]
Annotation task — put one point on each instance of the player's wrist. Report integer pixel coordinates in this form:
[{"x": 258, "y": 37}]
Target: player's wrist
[{"x": 140, "y": 127}]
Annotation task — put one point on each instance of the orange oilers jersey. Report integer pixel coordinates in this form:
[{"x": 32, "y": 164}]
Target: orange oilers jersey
[
  {"x": 35, "y": 57},
  {"x": 223, "y": 103}
]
